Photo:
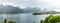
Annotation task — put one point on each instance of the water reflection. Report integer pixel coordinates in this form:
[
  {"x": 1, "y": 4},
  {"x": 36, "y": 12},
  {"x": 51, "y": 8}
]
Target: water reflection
[
  {"x": 18, "y": 18},
  {"x": 23, "y": 17},
  {"x": 38, "y": 18}
]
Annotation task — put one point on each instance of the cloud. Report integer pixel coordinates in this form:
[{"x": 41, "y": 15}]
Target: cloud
[{"x": 33, "y": 3}]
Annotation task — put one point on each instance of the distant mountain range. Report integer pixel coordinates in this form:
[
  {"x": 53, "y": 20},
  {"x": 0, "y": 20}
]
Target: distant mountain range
[
  {"x": 31, "y": 10},
  {"x": 8, "y": 9}
]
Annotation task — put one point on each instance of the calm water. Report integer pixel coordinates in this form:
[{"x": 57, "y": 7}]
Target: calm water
[{"x": 22, "y": 17}]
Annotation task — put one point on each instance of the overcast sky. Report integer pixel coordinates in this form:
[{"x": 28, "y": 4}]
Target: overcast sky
[{"x": 33, "y": 3}]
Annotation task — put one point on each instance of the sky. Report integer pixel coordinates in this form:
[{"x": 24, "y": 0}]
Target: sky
[{"x": 33, "y": 3}]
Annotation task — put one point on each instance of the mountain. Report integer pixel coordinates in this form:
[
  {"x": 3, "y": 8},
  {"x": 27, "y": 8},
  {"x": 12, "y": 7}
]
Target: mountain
[
  {"x": 30, "y": 9},
  {"x": 8, "y": 9}
]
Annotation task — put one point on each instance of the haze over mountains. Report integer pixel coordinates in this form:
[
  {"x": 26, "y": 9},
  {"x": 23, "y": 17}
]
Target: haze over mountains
[
  {"x": 9, "y": 9},
  {"x": 30, "y": 9},
  {"x": 12, "y": 10}
]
